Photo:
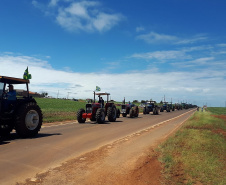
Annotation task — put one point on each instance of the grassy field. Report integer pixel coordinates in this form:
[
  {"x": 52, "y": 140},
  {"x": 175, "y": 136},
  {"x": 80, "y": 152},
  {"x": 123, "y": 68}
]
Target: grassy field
[
  {"x": 196, "y": 154},
  {"x": 217, "y": 110},
  {"x": 61, "y": 110},
  {"x": 58, "y": 109}
]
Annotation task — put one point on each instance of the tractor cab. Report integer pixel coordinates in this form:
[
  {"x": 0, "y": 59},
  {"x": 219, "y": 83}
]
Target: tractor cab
[{"x": 18, "y": 110}]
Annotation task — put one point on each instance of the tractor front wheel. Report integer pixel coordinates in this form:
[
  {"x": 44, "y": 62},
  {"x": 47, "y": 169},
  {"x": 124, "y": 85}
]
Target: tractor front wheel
[
  {"x": 79, "y": 116},
  {"x": 100, "y": 115}
]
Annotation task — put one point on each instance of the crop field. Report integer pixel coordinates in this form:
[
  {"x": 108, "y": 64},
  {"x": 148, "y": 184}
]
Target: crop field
[
  {"x": 61, "y": 110},
  {"x": 196, "y": 154},
  {"x": 217, "y": 110}
]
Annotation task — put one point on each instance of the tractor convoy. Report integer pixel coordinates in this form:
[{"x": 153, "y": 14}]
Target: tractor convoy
[{"x": 21, "y": 113}]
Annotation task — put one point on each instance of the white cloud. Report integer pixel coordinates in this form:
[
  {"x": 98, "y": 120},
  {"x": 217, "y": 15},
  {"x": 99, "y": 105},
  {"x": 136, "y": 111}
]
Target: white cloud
[
  {"x": 153, "y": 38},
  {"x": 194, "y": 86},
  {"x": 157, "y": 38},
  {"x": 140, "y": 28},
  {"x": 162, "y": 55},
  {"x": 75, "y": 16}
]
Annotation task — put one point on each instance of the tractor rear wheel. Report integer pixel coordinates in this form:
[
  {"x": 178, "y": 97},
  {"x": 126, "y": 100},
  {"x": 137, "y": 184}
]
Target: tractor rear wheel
[
  {"x": 136, "y": 111},
  {"x": 100, "y": 115},
  {"x": 131, "y": 113},
  {"x": 112, "y": 113},
  {"x": 154, "y": 111},
  {"x": 79, "y": 116},
  {"x": 144, "y": 110},
  {"x": 28, "y": 120}
]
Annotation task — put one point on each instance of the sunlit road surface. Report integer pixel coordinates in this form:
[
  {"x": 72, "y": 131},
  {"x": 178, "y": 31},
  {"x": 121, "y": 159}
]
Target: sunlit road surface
[{"x": 24, "y": 158}]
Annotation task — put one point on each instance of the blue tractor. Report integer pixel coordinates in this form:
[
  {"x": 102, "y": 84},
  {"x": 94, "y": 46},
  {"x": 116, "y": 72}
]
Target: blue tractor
[{"x": 150, "y": 106}]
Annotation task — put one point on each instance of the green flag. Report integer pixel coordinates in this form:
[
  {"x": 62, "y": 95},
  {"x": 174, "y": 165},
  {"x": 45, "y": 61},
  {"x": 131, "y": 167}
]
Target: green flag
[
  {"x": 26, "y": 76},
  {"x": 98, "y": 88}
]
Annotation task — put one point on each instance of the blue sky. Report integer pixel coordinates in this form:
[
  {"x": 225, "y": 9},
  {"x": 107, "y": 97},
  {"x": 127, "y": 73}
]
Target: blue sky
[{"x": 135, "y": 49}]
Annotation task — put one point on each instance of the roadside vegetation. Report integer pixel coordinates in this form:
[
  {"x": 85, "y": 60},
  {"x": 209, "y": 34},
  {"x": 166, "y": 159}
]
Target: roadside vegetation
[{"x": 196, "y": 154}]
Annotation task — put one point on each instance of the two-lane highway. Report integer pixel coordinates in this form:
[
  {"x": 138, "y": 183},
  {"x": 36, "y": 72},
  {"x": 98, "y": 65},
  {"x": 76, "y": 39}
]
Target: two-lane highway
[{"x": 23, "y": 158}]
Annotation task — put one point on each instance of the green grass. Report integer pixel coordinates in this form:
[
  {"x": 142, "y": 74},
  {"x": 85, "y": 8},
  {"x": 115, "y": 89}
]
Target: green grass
[
  {"x": 197, "y": 152},
  {"x": 217, "y": 110},
  {"x": 59, "y": 109}
]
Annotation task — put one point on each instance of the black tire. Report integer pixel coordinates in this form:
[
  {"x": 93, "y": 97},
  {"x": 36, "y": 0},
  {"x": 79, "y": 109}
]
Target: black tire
[
  {"x": 28, "y": 120},
  {"x": 144, "y": 110},
  {"x": 79, "y": 116},
  {"x": 131, "y": 113},
  {"x": 118, "y": 113},
  {"x": 157, "y": 111},
  {"x": 136, "y": 111},
  {"x": 100, "y": 115},
  {"x": 112, "y": 114},
  {"x": 124, "y": 115},
  {"x": 161, "y": 109},
  {"x": 154, "y": 111}
]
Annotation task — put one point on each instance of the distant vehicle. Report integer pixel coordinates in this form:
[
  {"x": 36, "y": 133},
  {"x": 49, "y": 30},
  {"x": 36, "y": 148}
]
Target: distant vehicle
[
  {"x": 98, "y": 111},
  {"x": 151, "y": 106},
  {"x": 165, "y": 107},
  {"x": 130, "y": 109},
  {"x": 22, "y": 114}
]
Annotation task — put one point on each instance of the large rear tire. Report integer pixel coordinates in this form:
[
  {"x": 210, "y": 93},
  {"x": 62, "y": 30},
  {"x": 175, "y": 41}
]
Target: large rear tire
[
  {"x": 100, "y": 115},
  {"x": 112, "y": 113},
  {"x": 28, "y": 120},
  {"x": 136, "y": 111},
  {"x": 79, "y": 116},
  {"x": 131, "y": 113},
  {"x": 144, "y": 110}
]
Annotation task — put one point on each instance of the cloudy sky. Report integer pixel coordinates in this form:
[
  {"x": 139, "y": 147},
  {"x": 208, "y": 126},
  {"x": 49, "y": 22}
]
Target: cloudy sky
[{"x": 138, "y": 49}]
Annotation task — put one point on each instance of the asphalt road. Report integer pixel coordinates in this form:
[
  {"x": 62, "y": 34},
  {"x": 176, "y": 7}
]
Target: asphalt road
[{"x": 55, "y": 144}]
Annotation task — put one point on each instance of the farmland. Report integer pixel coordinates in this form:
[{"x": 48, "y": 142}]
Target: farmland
[{"x": 59, "y": 109}]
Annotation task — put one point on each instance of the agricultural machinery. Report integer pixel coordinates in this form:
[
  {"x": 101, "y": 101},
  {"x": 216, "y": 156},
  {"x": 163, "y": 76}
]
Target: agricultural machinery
[
  {"x": 97, "y": 111},
  {"x": 130, "y": 109},
  {"x": 165, "y": 107},
  {"x": 178, "y": 106},
  {"x": 19, "y": 112},
  {"x": 151, "y": 107},
  {"x": 171, "y": 106}
]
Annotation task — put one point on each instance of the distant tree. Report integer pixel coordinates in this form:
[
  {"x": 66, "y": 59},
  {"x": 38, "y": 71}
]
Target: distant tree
[
  {"x": 135, "y": 101},
  {"x": 143, "y": 101},
  {"x": 44, "y": 94},
  {"x": 161, "y": 102}
]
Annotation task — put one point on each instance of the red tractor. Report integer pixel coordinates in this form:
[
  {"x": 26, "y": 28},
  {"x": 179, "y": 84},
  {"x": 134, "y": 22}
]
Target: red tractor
[{"x": 98, "y": 111}]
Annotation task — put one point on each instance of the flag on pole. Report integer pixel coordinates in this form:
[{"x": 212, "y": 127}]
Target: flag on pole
[
  {"x": 26, "y": 76},
  {"x": 98, "y": 88}
]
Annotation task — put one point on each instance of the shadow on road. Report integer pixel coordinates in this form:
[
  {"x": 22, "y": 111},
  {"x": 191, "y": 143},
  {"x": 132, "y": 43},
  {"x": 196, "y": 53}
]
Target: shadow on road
[{"x": 14, "y": 136}]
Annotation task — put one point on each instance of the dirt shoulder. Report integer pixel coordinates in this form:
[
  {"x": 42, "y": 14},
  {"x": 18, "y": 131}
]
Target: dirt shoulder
[{"x": 130, "y": 160}]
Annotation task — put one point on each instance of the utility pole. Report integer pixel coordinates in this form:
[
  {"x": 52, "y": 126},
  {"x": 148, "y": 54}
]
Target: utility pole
[
  {"x": 57, "y": 94},
  {"x": 68, "y": 94}
]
